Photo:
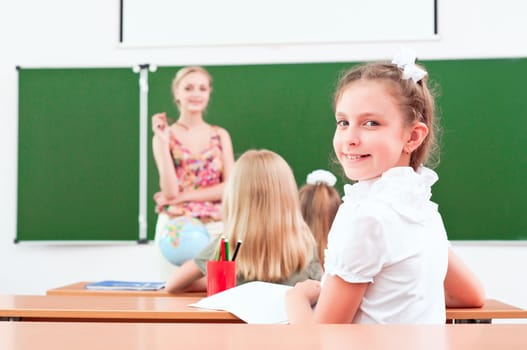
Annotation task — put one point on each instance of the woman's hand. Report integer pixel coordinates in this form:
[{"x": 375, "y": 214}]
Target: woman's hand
[
  {"x": 165, "y": 205},
  {"x": 160, "y": 127},
  {"x": 161, "y": 202},
  {"x": 159, "y": 122}
]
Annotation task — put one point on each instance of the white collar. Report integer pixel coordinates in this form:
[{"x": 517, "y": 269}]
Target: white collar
[{"x": 404, "y": 189}]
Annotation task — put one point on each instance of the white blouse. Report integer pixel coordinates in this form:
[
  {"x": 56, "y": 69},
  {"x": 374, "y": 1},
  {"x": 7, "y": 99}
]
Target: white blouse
[{"x": 388, "y": 233}]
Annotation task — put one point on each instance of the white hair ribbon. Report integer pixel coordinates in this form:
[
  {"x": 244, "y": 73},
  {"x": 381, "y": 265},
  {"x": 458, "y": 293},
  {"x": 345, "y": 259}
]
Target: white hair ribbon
[
  {"x": 405, "y": 60},
  {"x": 321, "y": 176}
]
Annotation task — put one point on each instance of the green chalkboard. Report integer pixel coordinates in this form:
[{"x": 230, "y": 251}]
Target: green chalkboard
[
  {"x": 481, "y": 192},
  {"x": 285, "y": 108},
  {"x": 282, "y": 107},
  {"x": 78, "y": 164}
]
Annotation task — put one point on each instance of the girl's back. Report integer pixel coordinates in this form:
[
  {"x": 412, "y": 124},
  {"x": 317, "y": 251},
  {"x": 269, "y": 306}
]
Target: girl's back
[{"x": 261, "y": 209}]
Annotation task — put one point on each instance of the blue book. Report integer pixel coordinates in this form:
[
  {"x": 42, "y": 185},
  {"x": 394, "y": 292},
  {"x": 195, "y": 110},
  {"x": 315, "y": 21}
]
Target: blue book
[{"x": 125, "y": 285}]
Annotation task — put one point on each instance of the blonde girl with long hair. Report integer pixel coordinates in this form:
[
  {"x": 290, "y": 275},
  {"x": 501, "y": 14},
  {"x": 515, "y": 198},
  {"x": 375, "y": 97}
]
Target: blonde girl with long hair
[{"x": 260, "y": 208}]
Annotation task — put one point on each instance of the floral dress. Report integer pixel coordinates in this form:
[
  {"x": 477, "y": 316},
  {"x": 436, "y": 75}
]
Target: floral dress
[{"x": 196, "y": 171}]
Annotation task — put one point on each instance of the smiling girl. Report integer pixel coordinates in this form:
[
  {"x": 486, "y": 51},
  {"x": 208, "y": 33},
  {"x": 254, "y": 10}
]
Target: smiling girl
[{"x": 388, "y": 259}]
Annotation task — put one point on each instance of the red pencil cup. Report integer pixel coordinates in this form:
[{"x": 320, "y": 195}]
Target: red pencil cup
[{"x": 221, "y": 275}]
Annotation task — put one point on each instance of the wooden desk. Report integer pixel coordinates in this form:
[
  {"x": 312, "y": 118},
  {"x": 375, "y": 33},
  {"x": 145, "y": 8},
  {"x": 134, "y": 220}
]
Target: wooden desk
[
  {"x": 131, "y": 308},
  {"x": 491, "y": 310},
  {"x": 107, "y": 309},
  {"x": 104, "y": 336},
  {"x": 79, "y": 288}
]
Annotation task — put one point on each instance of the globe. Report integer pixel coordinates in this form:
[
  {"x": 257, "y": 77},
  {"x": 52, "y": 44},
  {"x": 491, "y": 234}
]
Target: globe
[{"x": 182, "y": 238}]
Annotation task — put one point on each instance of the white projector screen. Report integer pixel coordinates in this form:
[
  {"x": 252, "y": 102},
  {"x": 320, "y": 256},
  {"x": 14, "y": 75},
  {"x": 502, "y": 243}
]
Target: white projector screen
[{"x": 249, "y": 22}]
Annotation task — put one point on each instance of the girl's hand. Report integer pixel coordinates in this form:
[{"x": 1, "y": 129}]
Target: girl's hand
[
  {"x": 308, "y": 289},
  {"x": 299, "y": 301}
]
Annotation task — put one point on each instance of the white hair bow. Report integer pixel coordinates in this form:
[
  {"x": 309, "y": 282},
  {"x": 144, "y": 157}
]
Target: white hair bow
[
  {"x": 405, "y": 60},
  {"x": 321, "y": 176}
]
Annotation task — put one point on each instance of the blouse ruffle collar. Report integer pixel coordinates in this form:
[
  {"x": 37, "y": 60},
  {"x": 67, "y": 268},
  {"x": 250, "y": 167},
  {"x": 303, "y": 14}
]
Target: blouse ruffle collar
[{"x": 407, "y": 191}]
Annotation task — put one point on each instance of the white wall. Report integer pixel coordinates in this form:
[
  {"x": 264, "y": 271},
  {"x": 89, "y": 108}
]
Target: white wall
[
  {"x": 151, "y": 22},
  {"x": 62, "y": 33}
]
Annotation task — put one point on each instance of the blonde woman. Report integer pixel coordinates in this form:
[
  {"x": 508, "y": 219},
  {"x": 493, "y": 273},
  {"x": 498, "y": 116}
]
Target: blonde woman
[
  {"x": 260, "y": 208},
  {"x": 193, "y": 158}
]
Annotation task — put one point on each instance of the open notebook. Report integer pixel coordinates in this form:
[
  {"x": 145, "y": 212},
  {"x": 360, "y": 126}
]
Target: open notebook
[
  {"x": 125, "y": 285},
  {"x": 252, "y": 302}
]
